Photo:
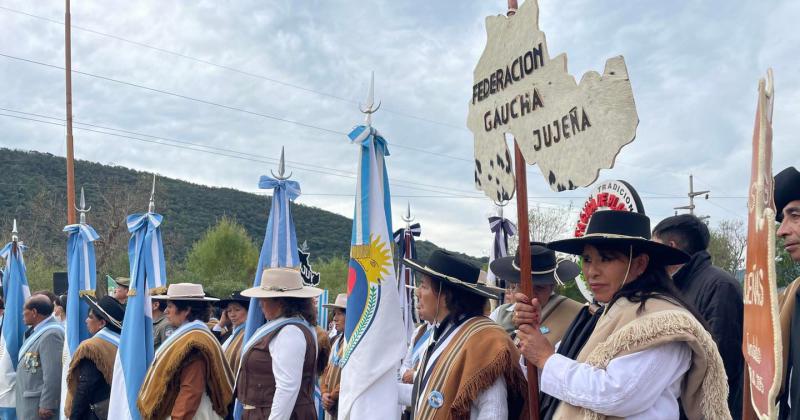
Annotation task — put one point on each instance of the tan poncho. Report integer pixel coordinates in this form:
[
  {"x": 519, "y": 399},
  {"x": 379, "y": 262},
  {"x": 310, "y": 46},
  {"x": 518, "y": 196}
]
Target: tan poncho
[
  {"x": 624, "y": 330},
  {"x": 160, "y": 387}
]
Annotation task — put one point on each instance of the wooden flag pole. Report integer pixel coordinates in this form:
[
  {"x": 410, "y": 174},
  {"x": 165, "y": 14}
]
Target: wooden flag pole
[
  {"x": 526, "y": 286},
  {"x": 70, "y": 153},
  {"x": 523, "y": 230}
]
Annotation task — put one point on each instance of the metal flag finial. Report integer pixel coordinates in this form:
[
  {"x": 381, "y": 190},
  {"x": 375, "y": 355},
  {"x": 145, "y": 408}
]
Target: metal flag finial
[
  {"x": 407, "y": 217},
  {"x": 281, "y": 169},
  {"x": 14, "y": 237},
  {"x": 151, "y": 208},
  {"x": 370, "y": 107},
  {"x": 83, "y": 210}
]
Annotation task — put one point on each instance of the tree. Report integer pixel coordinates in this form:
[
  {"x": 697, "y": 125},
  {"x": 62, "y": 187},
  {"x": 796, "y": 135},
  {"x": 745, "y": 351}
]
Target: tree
[
  {"x": 333, "y": 275},
  {"x": 727, "y": 245},
  {"x": 786, "y": 269},
  {"x": 545, "y": 224},
  {"x": 224, "y": 259}
]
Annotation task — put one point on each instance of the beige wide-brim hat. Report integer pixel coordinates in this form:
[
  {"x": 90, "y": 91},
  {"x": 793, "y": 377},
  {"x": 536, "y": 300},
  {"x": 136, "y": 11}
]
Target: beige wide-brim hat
[
  {"x": 281, "y": 282},
  {"x": 185, "y": 291},
  {"x": 339, "y": 303}
]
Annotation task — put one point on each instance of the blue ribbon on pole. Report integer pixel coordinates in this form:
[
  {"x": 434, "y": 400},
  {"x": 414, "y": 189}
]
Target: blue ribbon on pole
[
  {"x": 278, "y": 250},
  {"x": 81, "y": 277},
  {"x": 147, "y": 271}
]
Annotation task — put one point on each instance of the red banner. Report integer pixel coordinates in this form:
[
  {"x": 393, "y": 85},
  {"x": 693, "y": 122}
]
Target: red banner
[{"x": 762, "y": 335}]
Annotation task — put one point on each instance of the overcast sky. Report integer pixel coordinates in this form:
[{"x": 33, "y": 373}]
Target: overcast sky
[{"x": 247, "y": 77}]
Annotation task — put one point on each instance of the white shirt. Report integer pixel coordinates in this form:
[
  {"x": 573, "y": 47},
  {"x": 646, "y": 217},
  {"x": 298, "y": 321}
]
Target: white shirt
[
  {"x": 496, "y": 312},
  {"x": 288, "y": 350},
  {"x": 642, "y": 385},
  {"x": 491, "y": 404}
]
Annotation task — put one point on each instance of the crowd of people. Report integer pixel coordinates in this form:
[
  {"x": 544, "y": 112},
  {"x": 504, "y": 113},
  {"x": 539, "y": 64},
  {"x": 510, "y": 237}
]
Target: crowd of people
[{"x": 661, "y": 339}]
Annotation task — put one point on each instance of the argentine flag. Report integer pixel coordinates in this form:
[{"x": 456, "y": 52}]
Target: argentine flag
[
  {"x": 278, "y": 250},
  {"x": 16, "y": 291},
  {"x": 374, "y": 325},
  {"x": 135, "y": 354},
  {"x": 81, "y": 279}
]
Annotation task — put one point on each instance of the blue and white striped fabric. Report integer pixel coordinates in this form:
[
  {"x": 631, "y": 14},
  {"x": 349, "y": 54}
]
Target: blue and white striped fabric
[
  {"x": 16, "y": 291},
  {"x": 108, "y": 335},
  {"x": 146, "y": 255},
  {"x": 322, "y": 321},
  {"x": 322, "y": 312},
  {"x": 373, "y": 324},
  {"x": 81, "y": 278},
  {"x": 279, "y": 248}
]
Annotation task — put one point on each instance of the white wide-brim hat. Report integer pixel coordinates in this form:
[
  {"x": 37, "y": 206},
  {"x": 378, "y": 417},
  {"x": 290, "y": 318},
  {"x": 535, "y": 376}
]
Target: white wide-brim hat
[
  {"x": 281, "y": 282},
  {"x": 185, "y": 291},
  {"x": 339, "y": 303}
]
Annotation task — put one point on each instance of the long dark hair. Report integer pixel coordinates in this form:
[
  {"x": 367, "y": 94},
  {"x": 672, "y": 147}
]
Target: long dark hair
[
  {"x": 653, "y": 283},
  {"x": 459, "y": 301},
  {"x": 198, "y": 310},
  {"x": 302, "y": 307}
]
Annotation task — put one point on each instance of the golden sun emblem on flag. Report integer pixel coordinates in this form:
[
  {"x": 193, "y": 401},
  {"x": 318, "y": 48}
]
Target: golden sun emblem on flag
[{"x": 374, "y": 258}]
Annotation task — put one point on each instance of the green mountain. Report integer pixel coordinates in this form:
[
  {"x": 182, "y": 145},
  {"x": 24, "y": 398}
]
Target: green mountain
[{"x": 33, "y": 190}]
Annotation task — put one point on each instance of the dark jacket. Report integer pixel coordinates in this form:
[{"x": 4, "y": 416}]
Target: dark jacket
[
  {"x": 92, "y": 389},
  {"x": 718, "y": 298}
]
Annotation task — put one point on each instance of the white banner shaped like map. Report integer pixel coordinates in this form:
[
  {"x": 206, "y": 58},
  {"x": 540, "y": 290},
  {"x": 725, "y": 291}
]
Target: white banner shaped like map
[{"x": 570, "y": 130}]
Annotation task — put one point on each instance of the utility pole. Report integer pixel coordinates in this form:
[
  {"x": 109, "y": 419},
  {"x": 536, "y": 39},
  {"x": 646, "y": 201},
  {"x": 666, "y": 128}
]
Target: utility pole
[
  {"x": 692, "y": 194},
  {"x": 70, "y": 153}
]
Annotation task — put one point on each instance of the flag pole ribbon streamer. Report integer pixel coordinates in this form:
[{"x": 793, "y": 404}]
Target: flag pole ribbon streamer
[
  {"x": 502, "y": 229},
  {"x": 280, "y": 244},
  {"x": 81, "y": 279},
  {"x": 16, "y": 292},
  {"x": 148, "y": 275},
  {"x": 407, "y": 248}
]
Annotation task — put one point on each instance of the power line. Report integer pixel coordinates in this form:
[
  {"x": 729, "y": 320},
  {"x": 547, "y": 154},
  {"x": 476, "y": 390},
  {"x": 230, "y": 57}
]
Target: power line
[
  {"x": 237, "y": 155},
  {"x": 228, "y": 68},
  {"x": 219, "y": 105}
]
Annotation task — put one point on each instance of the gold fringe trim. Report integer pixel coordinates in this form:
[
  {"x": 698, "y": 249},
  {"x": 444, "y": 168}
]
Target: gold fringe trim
[
  {"x": 87, "y": 293},
  {"x": 159, "y": 389},
  {"x": 502, "y": 365},
  {"x": 101, "y": 353},
  {"x": 161, "y": 290},
  {"x": 131, "y": 292}
]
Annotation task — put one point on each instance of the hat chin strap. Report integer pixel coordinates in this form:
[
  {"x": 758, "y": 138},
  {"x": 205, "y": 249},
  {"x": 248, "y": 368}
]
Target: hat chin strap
[
  {"x": 625, "y": 279},
  {"x": 627, "y": 270}
]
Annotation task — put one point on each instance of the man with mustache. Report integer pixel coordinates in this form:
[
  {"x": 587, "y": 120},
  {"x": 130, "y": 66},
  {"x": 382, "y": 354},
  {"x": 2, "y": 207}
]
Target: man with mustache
[{"x": 787, "y": 206}]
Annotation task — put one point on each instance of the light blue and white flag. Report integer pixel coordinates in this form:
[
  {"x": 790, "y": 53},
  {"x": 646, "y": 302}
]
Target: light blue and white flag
[
  {"x": 374, "y": 325},
  {"x": 147, "y": 273},
  {"x": 80, "y": 279},
  {"x": 279, "y": 248},
  {"x": 322, "y": 312},
  {"x": 16, "y": 291},
  {"x": 322, "y": 321},
  {"x": 280, "y": 241}
]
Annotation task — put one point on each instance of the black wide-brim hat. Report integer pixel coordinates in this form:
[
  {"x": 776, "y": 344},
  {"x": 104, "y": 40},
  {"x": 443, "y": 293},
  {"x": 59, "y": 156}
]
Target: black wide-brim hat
[
  {"x": 621, "y": 228},
  {"x": 235, "y": 297},
  {"x": 787, "y": 189},
  {"x": 452, "y": 269},
  {"x": 107, "y": 308},
  {"x": 545, "y": 267}
]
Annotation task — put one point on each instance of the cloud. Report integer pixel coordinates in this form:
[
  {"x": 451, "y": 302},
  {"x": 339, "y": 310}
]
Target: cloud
[{"x": 694, "y": 68}]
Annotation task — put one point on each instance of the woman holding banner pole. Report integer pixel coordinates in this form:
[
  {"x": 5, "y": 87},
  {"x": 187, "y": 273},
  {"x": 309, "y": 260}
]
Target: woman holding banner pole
[{"x": 648, "y": 356}]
